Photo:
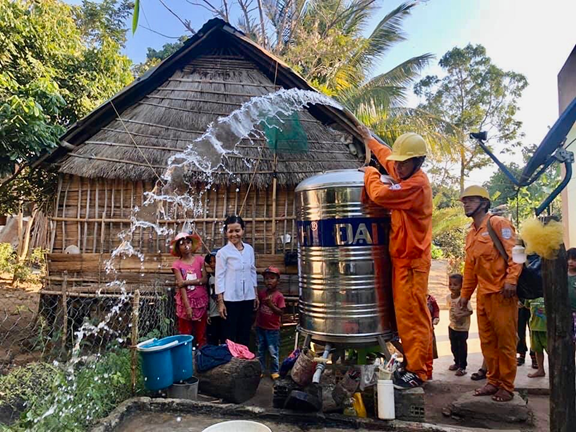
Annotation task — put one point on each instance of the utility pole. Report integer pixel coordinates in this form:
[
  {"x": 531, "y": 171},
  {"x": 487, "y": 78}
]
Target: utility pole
[{"x": 560, "y": 344}]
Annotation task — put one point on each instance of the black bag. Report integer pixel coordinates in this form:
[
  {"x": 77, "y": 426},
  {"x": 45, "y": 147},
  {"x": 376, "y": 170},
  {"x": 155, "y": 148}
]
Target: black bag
[{"x": 530, "y": 285}]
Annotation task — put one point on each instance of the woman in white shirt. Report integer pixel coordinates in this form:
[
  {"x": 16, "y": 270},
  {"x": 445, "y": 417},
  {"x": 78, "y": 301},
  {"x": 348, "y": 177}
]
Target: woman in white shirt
[{"x": 236, "y": 283}]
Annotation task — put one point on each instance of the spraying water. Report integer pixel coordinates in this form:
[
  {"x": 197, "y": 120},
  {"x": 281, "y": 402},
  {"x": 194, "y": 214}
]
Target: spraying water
[{"x": 198, "y": 162}]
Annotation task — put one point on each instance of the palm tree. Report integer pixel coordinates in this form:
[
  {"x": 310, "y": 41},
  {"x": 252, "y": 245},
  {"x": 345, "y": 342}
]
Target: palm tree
[{"x": 324, "y": 41}]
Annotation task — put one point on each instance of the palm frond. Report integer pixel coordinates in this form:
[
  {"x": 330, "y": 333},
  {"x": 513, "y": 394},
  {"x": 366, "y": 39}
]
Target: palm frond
[
  {"x": 403, "y": 74},
  {"x": 388, "y": 32}
]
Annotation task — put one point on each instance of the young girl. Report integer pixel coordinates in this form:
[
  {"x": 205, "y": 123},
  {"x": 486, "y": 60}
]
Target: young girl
[
  {"x": 191, "y": 294},
  {"x": 236, "y": 283}
]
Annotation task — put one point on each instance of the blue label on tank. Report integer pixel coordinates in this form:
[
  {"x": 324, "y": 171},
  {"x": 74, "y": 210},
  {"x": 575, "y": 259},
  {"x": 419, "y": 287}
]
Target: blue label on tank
[{"x": 344, "y": 232}]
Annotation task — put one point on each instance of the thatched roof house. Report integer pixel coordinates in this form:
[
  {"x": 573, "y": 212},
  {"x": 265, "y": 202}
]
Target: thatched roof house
[{"x": 111, "y": 157}]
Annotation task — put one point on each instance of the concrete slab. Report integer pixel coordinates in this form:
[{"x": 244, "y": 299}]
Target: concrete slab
[
  {"x": 523, "y": 383},
  {"x": 484, "y": 408},
  {"x": 164, "y": 415}
]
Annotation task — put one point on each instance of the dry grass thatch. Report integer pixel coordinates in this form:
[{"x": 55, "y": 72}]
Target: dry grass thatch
[{"x": 168, "y": 119}]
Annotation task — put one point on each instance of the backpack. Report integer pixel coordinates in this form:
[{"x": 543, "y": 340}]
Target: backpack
[{"x": 530, "y": 285}]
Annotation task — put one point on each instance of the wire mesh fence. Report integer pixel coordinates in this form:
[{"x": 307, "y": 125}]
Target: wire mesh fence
[{"x": 38, "y": 325}]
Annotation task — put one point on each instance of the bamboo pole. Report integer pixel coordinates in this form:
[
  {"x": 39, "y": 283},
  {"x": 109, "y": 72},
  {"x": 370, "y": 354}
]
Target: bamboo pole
[
  {"x": 215, "y": 213},
  {"x": 273, "y": 234},
  {"x": 293, "y": 240},
  {"x": 205, "y": 215},
  {"x": 225, "y": 209},
  {"x": 58, "y": 191},
  {"x": 135, "y": 319},
  {"x": 121, "y": 203},
  {"x": 103, "y": 227},
  {"x": 253, "y": 219},
  {"x": 265, "y": 221},
  {"x": 86, "y": 217},
  {"x": 64, "y": 214},
  {"x": 285, "y": 220},
  {"x": 79, "y": 234},
  {"x": 64, "y": 310},
  {"x": 95, "y": 216},
  {"x": 112, "y": 204}
]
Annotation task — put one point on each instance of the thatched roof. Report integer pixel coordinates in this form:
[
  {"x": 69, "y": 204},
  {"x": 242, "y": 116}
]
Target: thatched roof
[{"x": 161, "y": 113}]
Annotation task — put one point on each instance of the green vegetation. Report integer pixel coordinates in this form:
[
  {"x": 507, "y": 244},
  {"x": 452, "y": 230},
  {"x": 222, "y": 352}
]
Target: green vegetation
[
  {"x": 57, "y": 63},
  {"x": 69, "y": 399},
  {"x": 22, "y": 271}
]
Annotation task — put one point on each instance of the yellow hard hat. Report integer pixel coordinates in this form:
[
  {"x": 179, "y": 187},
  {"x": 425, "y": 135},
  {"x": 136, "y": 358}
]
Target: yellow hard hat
[
  {"x": 475, "y": 191},
  {"x": 407, "y": 146}
]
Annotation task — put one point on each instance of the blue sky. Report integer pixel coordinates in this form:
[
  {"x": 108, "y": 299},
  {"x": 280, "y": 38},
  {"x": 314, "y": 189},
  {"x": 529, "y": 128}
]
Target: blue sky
[{"x": 527, "y": 36}]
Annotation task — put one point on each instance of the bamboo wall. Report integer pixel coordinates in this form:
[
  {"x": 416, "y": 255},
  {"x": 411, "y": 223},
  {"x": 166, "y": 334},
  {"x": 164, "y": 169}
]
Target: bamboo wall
[{"x": 90, "y": 214}]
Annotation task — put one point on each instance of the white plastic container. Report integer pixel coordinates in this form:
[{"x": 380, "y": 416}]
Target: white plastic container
[
  {"x": 238, "y": 426},
  {"x": 386, "y": 409}
]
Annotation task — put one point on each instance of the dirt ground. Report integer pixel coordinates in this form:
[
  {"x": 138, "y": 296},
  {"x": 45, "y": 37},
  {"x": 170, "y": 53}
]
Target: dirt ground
[{"x": 18, "y": 308}]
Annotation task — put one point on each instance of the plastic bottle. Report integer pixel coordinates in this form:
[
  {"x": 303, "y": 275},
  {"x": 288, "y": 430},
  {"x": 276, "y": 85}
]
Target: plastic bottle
[{"x": 386, "y": 409}]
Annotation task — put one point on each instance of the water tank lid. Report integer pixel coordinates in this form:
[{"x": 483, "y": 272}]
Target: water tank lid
[{"x": 331, "y": 179}]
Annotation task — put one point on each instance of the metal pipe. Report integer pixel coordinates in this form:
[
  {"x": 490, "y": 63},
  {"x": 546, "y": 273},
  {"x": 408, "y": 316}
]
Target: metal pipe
[
  {"x": 321, "y": 366},
  {"x": 559, "y": 188},
  {"x": 505, "y": 170}
]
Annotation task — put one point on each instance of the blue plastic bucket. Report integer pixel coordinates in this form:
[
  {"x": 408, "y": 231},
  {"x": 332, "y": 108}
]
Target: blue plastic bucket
[
  {"x": 182, "y": 364},
  {"x": 157, "y": 363}
]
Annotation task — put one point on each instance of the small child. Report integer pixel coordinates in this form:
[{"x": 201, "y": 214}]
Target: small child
[
  {"x": 215, "y": 322},
  {"x": 268, "y": 320},
  {"x": 571, "y": 255},
  {"x": 435, "y": 314},
  {"x": 459, "y": 326},
  {"x": 538, "y": 335},
  {"x": 191, "y": 294}
]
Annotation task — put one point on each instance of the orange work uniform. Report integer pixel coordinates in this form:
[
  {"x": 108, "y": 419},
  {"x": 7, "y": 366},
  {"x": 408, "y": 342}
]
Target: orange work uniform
[
  {"x": 486, "y": 269},
  {"x": 410, "y": 240}
]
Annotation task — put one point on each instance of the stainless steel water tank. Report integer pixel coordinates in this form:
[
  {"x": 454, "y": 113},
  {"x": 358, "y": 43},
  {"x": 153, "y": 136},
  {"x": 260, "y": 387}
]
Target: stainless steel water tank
[{"x": 344, "y": 267}]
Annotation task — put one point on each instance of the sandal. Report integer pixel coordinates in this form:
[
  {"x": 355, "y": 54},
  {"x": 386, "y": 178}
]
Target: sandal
[
  {"x": 453, "y": 367},
  {"x": 503, "y": 396},
  {"x": 460, "y": 372},
  {"x": 477, "y": 376},
  {"x": 487, "y": 390}
]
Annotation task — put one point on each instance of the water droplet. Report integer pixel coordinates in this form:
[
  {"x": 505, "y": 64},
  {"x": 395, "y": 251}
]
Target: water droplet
[{"x": 178, "y": 419}]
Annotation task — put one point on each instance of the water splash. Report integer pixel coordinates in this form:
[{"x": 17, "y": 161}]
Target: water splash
[{"x": 199, "y": 161}]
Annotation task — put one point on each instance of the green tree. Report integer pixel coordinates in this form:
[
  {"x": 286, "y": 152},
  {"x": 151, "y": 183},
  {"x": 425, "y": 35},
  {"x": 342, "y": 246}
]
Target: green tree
[
  {"x": 154, "y": 57},
  {"x": 53, "y": 71},
  {"x": 473, "y": 95}
]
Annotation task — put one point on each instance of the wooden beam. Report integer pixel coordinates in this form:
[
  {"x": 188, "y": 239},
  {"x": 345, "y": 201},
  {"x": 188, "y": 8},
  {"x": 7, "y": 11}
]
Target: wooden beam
[{"x": 559, "y": 324}]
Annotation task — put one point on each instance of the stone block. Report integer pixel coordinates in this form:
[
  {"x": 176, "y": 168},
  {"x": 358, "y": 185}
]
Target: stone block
[
  {"x": 409, "y": 404},
  {"x": 484, "y": 408}
]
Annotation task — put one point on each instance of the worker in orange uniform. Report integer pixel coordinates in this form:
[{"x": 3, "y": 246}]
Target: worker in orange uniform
[
  {"x": 410, "y": 200},
  {"x": 496, "y": 279}
]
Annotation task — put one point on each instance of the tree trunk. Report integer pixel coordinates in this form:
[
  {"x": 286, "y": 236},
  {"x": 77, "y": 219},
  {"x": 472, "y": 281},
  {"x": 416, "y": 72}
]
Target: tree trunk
[
  {"x": 235, "y": 381},
  {"x": 26, "y": 238},
  {"x": 560, "y": 344}
]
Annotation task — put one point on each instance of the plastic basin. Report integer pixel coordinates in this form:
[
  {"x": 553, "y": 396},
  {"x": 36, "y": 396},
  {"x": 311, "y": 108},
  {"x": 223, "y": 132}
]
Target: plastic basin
[
  {"x": 182, "y": 364},
  {"x": 157, "y": 363},
  {"x": 238, "y": 426}
]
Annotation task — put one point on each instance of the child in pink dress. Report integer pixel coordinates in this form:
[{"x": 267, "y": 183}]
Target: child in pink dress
[{"x": 191, "y": 295}]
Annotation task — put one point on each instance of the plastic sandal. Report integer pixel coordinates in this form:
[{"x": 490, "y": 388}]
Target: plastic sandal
[{"x": 477, "y": 376}]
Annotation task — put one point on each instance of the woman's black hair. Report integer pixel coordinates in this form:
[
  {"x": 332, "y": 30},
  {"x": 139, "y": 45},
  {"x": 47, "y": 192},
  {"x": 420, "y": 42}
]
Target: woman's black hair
[
  {"x": 571, "y": 253},
  {"x": 232, "y": 220},
  {"x": 209, "y": 256}
]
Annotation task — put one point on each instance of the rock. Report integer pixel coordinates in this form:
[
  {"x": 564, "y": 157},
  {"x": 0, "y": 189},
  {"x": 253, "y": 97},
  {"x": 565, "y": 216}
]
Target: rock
[{"x": 484, "y": 408}]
